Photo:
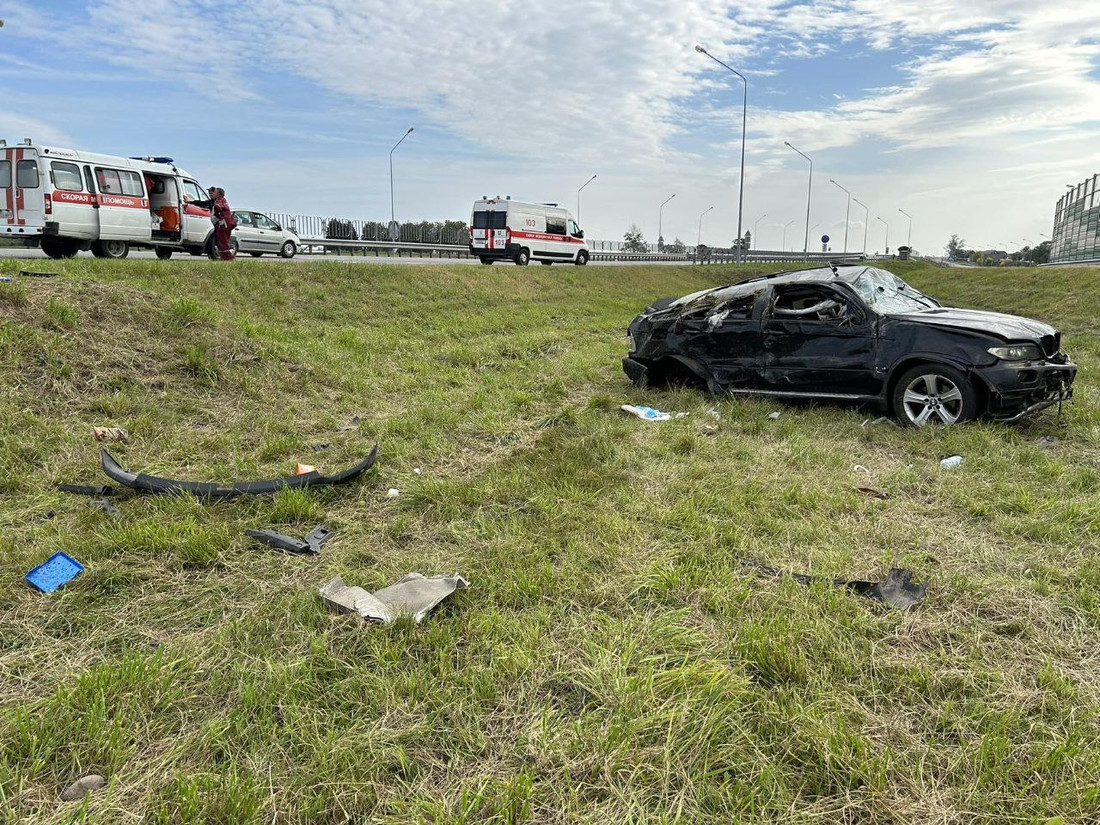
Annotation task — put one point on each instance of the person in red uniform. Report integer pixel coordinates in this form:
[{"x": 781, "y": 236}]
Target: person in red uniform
[{"x": 222, "y": 218}]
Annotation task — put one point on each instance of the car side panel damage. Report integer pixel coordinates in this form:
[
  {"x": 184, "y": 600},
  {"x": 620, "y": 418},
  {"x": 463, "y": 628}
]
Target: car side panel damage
[
  {"x": 202, "y": 489},
  {"x": 851, "y": 333}
]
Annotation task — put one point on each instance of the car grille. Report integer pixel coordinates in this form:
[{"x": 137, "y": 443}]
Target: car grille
[{"x": 1051, "y": 344}]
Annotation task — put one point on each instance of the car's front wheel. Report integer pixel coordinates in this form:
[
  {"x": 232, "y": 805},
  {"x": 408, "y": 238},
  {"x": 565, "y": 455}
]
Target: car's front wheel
[
  {"x": 288, "y": 250},
  {"x": 523, "y": 257},
  {"x": 934, "y": 394},
  {"x": 582, "y": 258}
]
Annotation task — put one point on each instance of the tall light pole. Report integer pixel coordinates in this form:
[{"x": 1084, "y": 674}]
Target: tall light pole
[
  {"x": 660, "y": 221},
  {"x": 755, "y": 227},
  {"x": 579, "y": 197},
  {"x": 744, "y": 121},
  {"x": 847, "y": 211},
  {"x": 392, "y": 218},
  {"x": 700, "y": 237},
  {"x": 809, "y": 191},
  {"x": 866, "y": 220},
  {"x": 909, "y": 236},
  {"x": 784, "y": 246},
  {"x": 884, "y": 223}
]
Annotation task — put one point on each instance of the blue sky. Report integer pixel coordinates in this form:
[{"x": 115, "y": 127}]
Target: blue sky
[{"x": 970, "y": 117}]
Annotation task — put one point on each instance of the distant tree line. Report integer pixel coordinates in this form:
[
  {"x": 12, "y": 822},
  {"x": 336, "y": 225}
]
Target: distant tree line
[{"x": 957, "y": 250}]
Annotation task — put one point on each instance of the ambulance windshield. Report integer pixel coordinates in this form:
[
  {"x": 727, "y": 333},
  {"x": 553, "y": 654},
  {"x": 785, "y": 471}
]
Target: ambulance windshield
[{"x": 484, "y": 219}]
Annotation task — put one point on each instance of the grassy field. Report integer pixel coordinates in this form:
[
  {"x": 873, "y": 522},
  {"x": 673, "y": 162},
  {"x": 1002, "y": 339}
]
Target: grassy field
[{"x": 612, "y": 662}]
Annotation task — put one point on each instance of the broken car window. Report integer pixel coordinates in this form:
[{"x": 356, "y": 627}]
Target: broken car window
[
  {"x": 808, "y": 303},
  {"x": 888, "y": 294},
  {"x": 716, "y": 312}
]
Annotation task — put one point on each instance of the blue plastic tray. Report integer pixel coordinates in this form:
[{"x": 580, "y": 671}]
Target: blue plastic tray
[{"x": 54, "y": 572}]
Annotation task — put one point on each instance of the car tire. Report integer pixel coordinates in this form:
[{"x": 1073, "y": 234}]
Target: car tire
[
  {"x": 288, "y": 250},
  {"x": 934, "y": 394},
  {"x": 523, "y": 257},
  {"x": 255, "y": 254},
  {"x": 211, "y": 250},
  {"x": 116, "y": 250},
  {"x": 486, "y": 261},
  {"x": 582, "y": 258},
  {"x": 234, "y": 247},
  {"x": 164, "y": 252}
]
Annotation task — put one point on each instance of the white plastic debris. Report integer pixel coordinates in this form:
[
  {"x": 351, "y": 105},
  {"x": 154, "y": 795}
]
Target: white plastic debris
[
  {"x": 646, "y": 413},
  {"x": 416, "y": 470},
  {"x": 1048, "y": 441},
  {"x": 951, "y": 463},
  {"x": 774, "y": 416},
  {"x": 859, "y": 468},
  {"x": 393, "y": 492},
  {"x": 717, "y": 416},
  {"x": 682, "y": 415},
  {"x": 413, "y": 595},
  {"x": 882, "y": 419}
]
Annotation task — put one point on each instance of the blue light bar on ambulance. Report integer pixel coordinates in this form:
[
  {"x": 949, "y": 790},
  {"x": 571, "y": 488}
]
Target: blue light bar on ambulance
[{"x": 153, "y": 159}]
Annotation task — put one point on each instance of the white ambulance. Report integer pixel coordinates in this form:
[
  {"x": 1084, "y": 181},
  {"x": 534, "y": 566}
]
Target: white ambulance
[
  {"x": 64, "y": 201},
  {"x": 504, "y": 229}
]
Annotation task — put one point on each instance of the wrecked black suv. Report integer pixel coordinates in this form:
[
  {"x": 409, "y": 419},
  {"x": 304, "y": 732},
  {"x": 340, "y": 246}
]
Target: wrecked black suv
[{"x": 855, "y": 333}]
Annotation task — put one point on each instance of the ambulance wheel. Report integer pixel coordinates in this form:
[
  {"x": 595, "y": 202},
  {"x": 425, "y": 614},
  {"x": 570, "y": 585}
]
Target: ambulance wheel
[
  {"x": 211, "y": 250},
  {"x": 111, "y": 249},
  {"x": 547, "y": 263},
  {"x": 289, "y": 250},
  {"x": 486, "y": 261},
  {"x": 163, "y": 252},
  {"x": 57, "y": 248},
  {"x": 523, "y": 257},
  {"x": 582, "y": 258}
]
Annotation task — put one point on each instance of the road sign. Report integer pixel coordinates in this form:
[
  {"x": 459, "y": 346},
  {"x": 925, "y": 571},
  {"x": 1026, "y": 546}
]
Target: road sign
[
  {"x": 395, "y": 231},
  {"x": 824, "y": 238}
]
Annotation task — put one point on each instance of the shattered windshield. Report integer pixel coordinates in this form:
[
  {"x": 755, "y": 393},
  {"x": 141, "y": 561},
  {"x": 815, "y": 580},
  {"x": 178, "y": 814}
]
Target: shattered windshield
[{"x": 888, "y": 294}]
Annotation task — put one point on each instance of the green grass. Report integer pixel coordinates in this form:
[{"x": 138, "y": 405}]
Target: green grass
[{"x": 612, "y": 661}]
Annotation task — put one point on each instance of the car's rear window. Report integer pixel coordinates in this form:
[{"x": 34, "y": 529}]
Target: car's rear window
[
  {"x": 5, "y": 174},
  {"x": 484, "y": 219},
  {"x": 26, "y": 174}
]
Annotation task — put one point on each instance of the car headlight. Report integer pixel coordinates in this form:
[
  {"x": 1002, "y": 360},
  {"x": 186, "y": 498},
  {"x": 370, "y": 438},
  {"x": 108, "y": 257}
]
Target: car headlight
[
  {"x": 1017, "y": 352},
  {"x": 630, "y": 341}
]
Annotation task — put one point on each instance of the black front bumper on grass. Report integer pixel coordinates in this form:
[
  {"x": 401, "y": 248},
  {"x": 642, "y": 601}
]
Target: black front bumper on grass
[{"x": 1018, "y": 389}]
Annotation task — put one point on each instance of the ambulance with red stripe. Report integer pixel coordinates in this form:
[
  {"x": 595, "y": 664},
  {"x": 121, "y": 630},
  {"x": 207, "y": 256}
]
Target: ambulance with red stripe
[
  {"x": 65, "y": 201},
  {"x": 508, "y": 230}
]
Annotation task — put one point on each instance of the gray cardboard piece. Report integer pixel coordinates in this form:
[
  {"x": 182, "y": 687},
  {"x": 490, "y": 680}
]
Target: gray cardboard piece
[{"x": 413, "y": 595}]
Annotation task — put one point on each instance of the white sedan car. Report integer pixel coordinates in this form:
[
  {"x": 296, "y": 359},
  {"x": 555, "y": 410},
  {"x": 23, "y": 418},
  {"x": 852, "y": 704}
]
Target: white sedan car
[{"x": 257, "y": 234}]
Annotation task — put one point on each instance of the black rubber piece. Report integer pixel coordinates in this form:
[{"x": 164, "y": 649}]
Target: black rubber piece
[
  {"x": 288, "y": 544},
  {"x": 204, "y": 489},
  {"x": 26, "y": 273},
  {"x": 94, "y": 490}
]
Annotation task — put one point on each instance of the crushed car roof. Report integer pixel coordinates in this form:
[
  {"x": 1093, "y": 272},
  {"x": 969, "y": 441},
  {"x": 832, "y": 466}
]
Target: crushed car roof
[{"x": 847, "y": 274}]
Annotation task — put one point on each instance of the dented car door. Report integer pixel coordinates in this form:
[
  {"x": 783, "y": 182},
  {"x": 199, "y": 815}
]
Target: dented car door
[
  {"x": 723, "y": 335},
  {"x": 818, "y": 339}
]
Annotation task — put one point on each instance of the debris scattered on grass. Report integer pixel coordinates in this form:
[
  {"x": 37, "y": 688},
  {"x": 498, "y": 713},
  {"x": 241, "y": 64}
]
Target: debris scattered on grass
[
  {"x": 302, "y": 469},
  {"x": 413, "y": 595},
  {"x": 288, "y": 544},
  {"x": 896, "y": 590},
  {"x": 646, "y": 413},
  {"x": 882, "y": 419},
  {"x": 203, "y": 489},
  {"x": 859, "y": 468},
  {"x": 49, "y": 514},
  {"x": 951, "y": 463},
  {"x": 717, "y": 416},
  {"x": 82, "y": 787},
  {"x": 105, "y": 506},
  {"x": 5, "y": 279},
  {"x": 774, "y": 416},
  {"x": 103, "y": 434},
  {"x": 58, "y": 569},
  {"x": 1048, "y": 441},
  {"x": 26, "y": 273},
  {"x": 393, "y": 492},
  {"x": 873, "y": 493},
  {"x": 351, "y": 425},
  {"x": 317, "y": 448},
  {"x": 416, "y": 471},
  {"x": 96, "y": 490}
]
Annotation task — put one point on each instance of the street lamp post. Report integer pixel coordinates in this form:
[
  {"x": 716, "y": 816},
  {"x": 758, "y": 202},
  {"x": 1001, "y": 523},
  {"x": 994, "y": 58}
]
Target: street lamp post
[
  {"x": 866, "y": 220},
  {"x": 699, "y": 239},
  {"x": 847, "y": 211},
  {"x": 784, "y": 246},
  {"x": 744, "y": 120},
  {"x": 660, "y": 222},
  {"x": 909, "y": 236},
  {"x": 392, "y": 218},
  {"x": 579, "y": 197},
  {"x": 809, "y": 191},
  {"x": 884, "y": 223},
  {"x": 755, "y": 228}
]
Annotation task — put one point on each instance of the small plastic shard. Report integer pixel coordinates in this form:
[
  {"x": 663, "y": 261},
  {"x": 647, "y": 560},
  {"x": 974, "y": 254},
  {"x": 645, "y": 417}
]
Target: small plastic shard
[
  {"x": 82, "y": 787},
  {"x": 859, "y": 468},
  {"x": 774, "y": 416},
  {"x": 105, "y": 506},
  {"x": 26, "y": 273},
  {"x": 317, "y": 537},
  {"x": 413, "y": 595},
  {"x": 873, "y": 493},
  {"x": 717, "y": 416},
  {"x": 320, "y": 447},
  {"x": 351, "y": 425},
  {"x": 896, "y": 590},
  {"x": 94, "y": 490},
  {"x": 416, "y": 471},
  {"x": 646, "y": 413},
  {"x": 58, "y": 569},
  {"x": 288, "y": 544},
  {"x": 682, "y": 415},
  {"x": 1048, "y": 441},
  {"x": 103, "y": 434},
  {"x": 393, "y": 492},
  {"x": 951, "y": 463},
  {"x": 303, "y": 469}
]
